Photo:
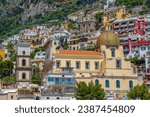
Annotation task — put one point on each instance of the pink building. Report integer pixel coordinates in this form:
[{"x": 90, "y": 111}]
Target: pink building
[
  {"x": 135, "y": 45},
  {"x": 135, "y": 25}
]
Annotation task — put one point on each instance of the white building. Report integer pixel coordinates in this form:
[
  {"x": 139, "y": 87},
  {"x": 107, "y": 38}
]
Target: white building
[
  {"x": 135, "y": 45},
  {"x": 40, "y": 55},
  {"x": 109, "y": 3},
  {"x": 59, "y": 85},
  {"x": 57, "y": 97}
]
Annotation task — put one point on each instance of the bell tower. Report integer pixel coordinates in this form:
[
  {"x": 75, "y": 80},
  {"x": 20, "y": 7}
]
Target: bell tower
[{"x": 23, "y": 65}]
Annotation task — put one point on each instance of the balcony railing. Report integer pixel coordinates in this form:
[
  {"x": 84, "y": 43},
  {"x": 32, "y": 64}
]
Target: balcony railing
[
  {"x": 130, "y": 24},
  {"x": 67, "y": 73}
]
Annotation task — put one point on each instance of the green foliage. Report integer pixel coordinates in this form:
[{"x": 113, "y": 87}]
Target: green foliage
[
  {"x": 14, "y": 57},
  {"x": 139, "y": 92},
  {"x": 130, "y": 3},
  {"x": 134, "y": 60},
  {"x": 49, "y": 1},
  {"x": 36, "y": 77},
  {"x": 10, "y": 48},
  {"x": 37, "y": 49},
  {"x": 34, "y": 1},
  {"x": 58, "y": 47},
  {"x": 12, "y": 25},
  {"x": 3, "y": 1},
  {"x": 71, "y": 24},
  {"x": 32, "y": 55},
  {"x": 99, "y": 16},
  {"x": 6, "y": 68},
  {"x": 90, "y": 49},
  {"x": 9, "y": 80},
  {"x": 89, "y": 92},
  {"x": 66, "y": 46}
]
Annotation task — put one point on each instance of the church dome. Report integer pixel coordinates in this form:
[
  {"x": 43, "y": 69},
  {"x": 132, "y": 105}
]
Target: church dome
[{"x": 108, "y": 38}]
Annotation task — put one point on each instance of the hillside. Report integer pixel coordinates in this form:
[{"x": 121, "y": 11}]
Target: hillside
[
  {"x": 19, "y": 14},
  {"x": 16, "y": 15}
]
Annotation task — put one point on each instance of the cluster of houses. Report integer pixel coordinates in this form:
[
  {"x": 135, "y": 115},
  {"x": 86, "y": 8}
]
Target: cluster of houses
[{"x": 88, "y": 54}]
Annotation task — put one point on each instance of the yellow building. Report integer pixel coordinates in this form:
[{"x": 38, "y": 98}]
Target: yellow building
[
  {"x": 37, "y": 42},
  {"x": 66, "y": 25},
  {"x": 106, "y": 66},
  {"x": 114, "y": 13},
  {"x": 116, "y": 74},
  {"x": 2, "y": 54},
  {"x": 84, "y": 63}
]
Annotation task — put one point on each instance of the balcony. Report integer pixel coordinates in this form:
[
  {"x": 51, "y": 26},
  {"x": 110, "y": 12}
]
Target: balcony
[
  {"x": 62, "y": 81},
  {"x": 135, "y": 49},
  {"x": 131, "y": 29},
  {"x": 67, "y": 71},
  {"x": 131, "y": 24},
  {"x": 116, "y": 26},
  {"x": 123, "y": 29}
]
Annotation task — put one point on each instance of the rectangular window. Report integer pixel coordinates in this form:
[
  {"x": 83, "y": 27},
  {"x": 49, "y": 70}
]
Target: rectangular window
[
  {"x": 124, "y": 23},
  {"x": 50, "y": 79},
  {"x": 68, "y": 64},
  {"x": 57, "y": 81},
  {"x": 78, "y": 65},
  {"x": 87, "y": 65},
  {"x": 113, "y": 53},
  {"x": 118, "y": 63},
  {"x": 117, "y": 24},
  {"x": 96, "y": 65},
  {"x": 57, "y": 64}
]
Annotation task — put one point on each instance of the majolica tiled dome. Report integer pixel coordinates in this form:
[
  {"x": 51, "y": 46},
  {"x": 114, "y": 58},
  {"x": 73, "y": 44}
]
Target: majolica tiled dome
[{"x": 108, "y": 38}]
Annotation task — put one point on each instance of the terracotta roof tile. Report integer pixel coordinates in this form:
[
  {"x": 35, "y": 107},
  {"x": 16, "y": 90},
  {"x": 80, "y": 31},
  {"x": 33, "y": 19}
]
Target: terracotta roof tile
[{"x": 78, "y": 52}]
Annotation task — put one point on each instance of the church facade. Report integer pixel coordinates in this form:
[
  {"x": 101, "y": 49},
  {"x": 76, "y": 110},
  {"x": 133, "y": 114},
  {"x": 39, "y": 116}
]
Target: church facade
[{"x": 106, "y": 65}]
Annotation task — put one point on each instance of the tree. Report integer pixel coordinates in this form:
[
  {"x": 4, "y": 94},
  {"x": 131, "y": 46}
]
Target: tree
[
  {"x": 10, "y": 48},
  {"x": 6, "y": 68},
  {"x": 32, "y": 55},
  {"x": 8, "y": 80},
  {"x": 58, "y": 47},
  {"x": 135, "y": 60},
  {"x": 89, "y": 92},
  {"x": 99, "y": 16},
  {"x": 36, "y": 78},
  {"x": 139, "y": 92}
]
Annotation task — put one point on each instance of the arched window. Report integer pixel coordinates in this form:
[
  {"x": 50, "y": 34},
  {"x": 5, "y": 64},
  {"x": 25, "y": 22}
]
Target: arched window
[
  {"x": 23, "y": 62},
  {"x": 117, "y": 84},
  {"x": 23, "y": 76},
  {"x": 107, "y": 83},
  {"x": 97, "y": 82},
  {"x": 131, "y": 84},
  {"x": 23, "y": 52}
]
